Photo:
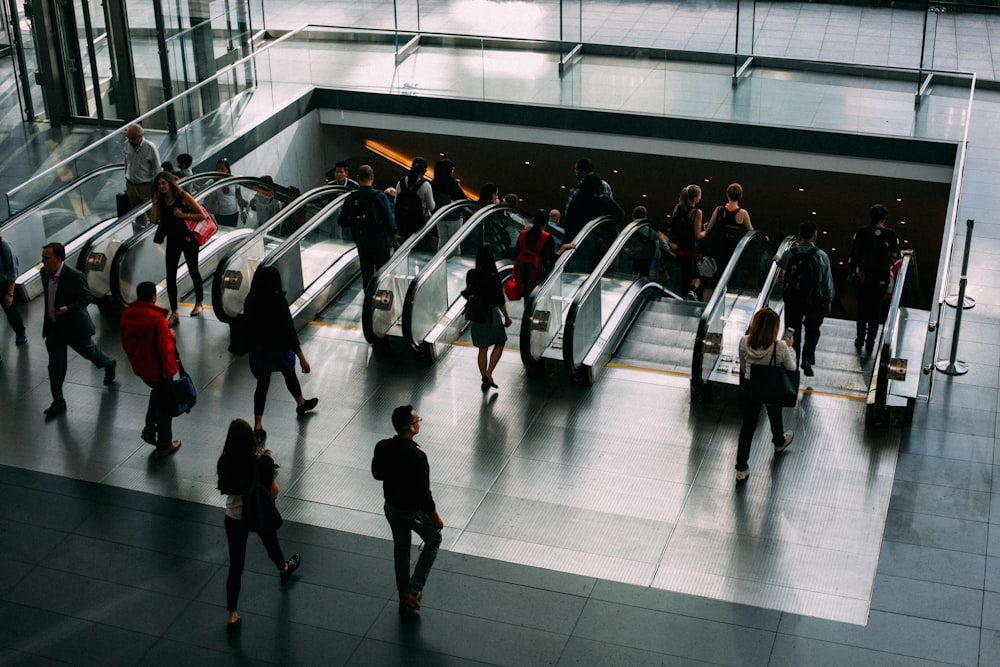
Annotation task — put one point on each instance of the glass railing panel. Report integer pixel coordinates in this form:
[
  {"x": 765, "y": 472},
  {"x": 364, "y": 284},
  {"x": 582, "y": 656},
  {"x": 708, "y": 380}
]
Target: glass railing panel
[
  {"x": 324, "y": 243},
  {"x": 392, "y": 281},
  {"x": 730, "y": 307},
  {"x": 65, "y": 215},
  {"x": 442, "y": 283}
]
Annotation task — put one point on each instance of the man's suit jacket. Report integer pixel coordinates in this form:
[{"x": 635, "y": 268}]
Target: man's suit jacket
[{"x": 71, "y": 291}]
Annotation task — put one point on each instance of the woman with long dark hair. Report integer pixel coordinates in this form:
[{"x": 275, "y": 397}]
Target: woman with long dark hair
[
  {"x": 273, "y": 344},
  {"x": 483, "y": 282},
  {"x": 241, "y": 464},
  {"x": 761, "y": 347},
  {"x": 172, "y": 208},
  {"x": 446, "y": 187}
]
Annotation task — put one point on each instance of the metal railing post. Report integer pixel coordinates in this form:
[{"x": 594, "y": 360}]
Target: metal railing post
[{"x": 952, "y": 366}]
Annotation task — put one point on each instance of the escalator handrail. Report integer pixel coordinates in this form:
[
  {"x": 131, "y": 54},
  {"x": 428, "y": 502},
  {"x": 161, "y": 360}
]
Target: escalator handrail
[
  {"x": 556, "y": 273},
  {"x": 592, "y": 282},
  {"x": 72, "y": 185},
  {"x": 114, "y": 281},
  {"x": 277, "y": 220},
  {"x": 772, "y": 276},
  {"x": 400, "y": 255},
  {"x": 719, "y": 292},
  {"x": 888, "y": 343},
  {"x": 442, "y": 255}
]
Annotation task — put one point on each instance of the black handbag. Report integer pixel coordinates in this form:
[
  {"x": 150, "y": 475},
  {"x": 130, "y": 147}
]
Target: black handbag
[
  {"x": 774, "y": 385},
  {"x": 260, "y": 514},
  {"x": 183, "y": 392}
]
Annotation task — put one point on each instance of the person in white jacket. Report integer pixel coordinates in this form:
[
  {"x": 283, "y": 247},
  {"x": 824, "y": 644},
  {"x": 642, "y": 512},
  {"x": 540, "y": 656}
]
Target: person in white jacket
[{"x": 761, "y": 346}]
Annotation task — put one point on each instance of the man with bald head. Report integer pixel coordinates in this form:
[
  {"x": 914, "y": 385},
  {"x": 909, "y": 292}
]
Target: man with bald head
[{"x": 142, "y": 164}]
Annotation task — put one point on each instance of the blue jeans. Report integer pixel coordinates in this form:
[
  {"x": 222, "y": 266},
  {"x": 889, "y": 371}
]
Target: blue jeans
[{"x": 402, "y": 522}]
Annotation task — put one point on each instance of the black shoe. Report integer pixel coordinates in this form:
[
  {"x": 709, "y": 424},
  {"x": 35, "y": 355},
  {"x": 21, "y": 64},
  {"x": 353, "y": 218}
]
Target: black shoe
[
  {"x": 293, "y": 564},
  {"x": 22, "y": 339},
  {"x": 148, "y": 437},
  {"x": 306, "y": 407},
  {"x": 233, "y": 627},
  {"x": 58, "y": 405},
  {"x": 261, "y": 435},
  {"x": 858, "y": 343},
  {"x": 807, "y": 370},
  {"x": 869, "y": 348},
  {"x": 109, "y": 373}
]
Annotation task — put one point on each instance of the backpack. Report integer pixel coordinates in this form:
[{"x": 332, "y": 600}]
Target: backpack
[
  {"x": 527, "y": 268},
  {"x": 409, "y": 208},
  {"x": 361, "y": 216},
  {"x": 875, "y": 263},
  {"x": 801, "y": 281}
]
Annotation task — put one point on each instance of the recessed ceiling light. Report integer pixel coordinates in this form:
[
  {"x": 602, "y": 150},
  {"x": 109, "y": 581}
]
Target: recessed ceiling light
[
  {"x": 902, "y": 222},
  {"x": 527, "y": 162},
  {"x": 905, "y": 241},
  {"x": 614, "y": 171},
  {"x": 840, "y": 263},
  {"x": 562, "y": 187},
  {"x": 899, "y": 199},
  {"x": 802, "y": 189},
  {"x": 708, "y": 180},
  {"x": 814, "y": 213}
]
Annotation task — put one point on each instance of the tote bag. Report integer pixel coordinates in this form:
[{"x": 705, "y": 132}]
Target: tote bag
[
  {"x": 260, "y": 514},
  {"x": 774, "y": 385},
  {"x": 203, "y": 229}
]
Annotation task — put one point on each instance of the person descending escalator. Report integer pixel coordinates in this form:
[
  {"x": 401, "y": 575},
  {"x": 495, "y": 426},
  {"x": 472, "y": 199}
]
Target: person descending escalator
[{"x": 369, "y": 217}]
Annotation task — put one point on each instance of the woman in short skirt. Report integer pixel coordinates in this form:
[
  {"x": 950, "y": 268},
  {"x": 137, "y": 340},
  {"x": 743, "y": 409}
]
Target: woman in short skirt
[{"x": 484, "y": 282}]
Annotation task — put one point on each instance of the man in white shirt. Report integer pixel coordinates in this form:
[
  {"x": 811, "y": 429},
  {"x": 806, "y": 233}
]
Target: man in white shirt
[{"x": 142, "y": 164}]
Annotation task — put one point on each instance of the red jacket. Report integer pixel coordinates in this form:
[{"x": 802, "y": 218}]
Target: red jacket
[{"x": 148, "y": 341}]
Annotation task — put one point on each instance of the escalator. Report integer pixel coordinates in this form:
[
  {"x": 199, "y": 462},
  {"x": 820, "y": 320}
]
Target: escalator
[
  {"x": 383, "y": 307},
  {"x": 620, "y": 313},
  {"x": 309, "y": 249},
  {"x": 71, "y": 215},
  {"x": 139, "y": 258},
  {"x": 540, "y": 327}
]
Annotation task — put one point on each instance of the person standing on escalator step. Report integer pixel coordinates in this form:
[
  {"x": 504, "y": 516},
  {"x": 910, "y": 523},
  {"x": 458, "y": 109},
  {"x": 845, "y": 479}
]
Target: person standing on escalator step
[
  {"x": 807, "y": 290},
  {"x": 367, "y": 213},
  {"x": 872, "y": 252},
  {"x": 172, "y": 208},
  {"x": 142, "y": 164}
]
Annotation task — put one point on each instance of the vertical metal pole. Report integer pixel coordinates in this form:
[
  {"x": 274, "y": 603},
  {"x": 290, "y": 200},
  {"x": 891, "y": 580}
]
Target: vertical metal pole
[
  {"x": 952, "y": 366},
  {"x": 166, "y": 78}
]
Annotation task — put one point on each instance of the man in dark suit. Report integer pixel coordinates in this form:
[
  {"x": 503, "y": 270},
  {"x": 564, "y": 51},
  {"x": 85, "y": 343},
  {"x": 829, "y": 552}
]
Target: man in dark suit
[{"x": 67, "y": 322}]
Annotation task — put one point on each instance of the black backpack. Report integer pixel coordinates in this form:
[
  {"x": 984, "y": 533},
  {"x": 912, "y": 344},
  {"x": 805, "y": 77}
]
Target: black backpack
[
  {"x": 409, "y": 208},
  {"x": 801, "y": 282},
  {"x": 361, "y": 216}
]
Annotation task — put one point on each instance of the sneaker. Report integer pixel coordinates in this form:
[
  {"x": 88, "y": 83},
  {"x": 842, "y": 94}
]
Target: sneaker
[
  {"x": 261, "y": 435},
  {"x": 869, "y": 348},
  {"x": 692, "y": 295},
  {"x": 858, "y": 343},
  {"x": 786, "y": 440},
  {"x": 742, "y": 475},
  {"x": 807, "y": 369},
  {"x": 22, "y": 339},
  {"x": 306, "y": 407},
  {"x": 148, "y": 437}
]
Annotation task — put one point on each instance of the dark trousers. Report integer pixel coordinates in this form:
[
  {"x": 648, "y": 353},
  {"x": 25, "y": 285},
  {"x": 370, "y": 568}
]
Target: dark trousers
[
  {"x": 264, "y": 383},
  {"x": 809, "y": 317},
  {"x": 237, "y": 536},
  {"x": 190, "y": 252},
  {"x": 12, "y": 313},
  {"x": 371, "y": 261},
  {"x": 160, "y": 413},
  {"x": 751, "y": 413},
  {"x": 401, "y": 522},
  {"x": 870, "y": 313},
  {"x": 85, "y": 347}
]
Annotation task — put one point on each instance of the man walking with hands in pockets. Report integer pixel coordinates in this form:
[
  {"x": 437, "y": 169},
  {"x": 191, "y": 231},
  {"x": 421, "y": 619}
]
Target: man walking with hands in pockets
[{"x": 402, "y": 467}]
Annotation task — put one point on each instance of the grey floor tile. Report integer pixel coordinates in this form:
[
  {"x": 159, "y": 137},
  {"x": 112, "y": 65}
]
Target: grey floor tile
[
  {"x": 941, "y": 500},
  {"x": 789, "y": 650},
  {"x": 585, "y": 652},
  {"x": 673, "y": 634},
  {"x": 924, "y": 599},
  {"x": 934, "y": 531},
  {"x": 946, "y": 566},
  {"x": 375, "y": 652},
  {"x": 170, "y": 653}
]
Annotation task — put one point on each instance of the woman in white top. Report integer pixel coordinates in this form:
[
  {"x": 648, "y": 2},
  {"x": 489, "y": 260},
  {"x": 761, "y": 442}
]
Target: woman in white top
[
  {"x": 239, "y": 466},
  {"x": 760, "y": 346}
]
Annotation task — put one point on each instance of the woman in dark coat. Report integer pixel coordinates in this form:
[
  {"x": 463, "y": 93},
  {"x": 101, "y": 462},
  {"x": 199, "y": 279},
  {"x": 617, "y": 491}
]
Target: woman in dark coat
[
  {"x": 273, "y": 343},
  {"x": 483, "y": 282},
  {"x": 240, "y": 464}
]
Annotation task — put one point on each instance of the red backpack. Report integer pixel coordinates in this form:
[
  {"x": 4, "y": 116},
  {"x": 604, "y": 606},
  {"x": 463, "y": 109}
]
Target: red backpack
[{"x": 527, "y": 268}]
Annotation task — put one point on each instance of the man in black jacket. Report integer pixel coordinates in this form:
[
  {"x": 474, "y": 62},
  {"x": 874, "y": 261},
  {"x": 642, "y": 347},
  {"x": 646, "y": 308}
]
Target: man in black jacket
[
  {"x": 67, "y": 322},
  {"x": 367, "y": 213},
  {"x": 402, "y": 467}
]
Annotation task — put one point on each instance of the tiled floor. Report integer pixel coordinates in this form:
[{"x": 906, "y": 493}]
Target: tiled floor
[{"x": 97, "y": 574}]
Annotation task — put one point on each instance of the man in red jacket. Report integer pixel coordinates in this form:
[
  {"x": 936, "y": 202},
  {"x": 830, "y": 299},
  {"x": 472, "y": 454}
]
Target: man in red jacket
[{"x": 151, "y": 349}]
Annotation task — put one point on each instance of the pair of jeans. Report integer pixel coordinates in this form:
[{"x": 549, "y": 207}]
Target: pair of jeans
[
  {"x": 809, "y": 317},
  {"x": 237, "y": 536},
  {"x": 401, "y": 522},
  {"x": 160, "y": 412},
  {"x": 751, "y": 413}
]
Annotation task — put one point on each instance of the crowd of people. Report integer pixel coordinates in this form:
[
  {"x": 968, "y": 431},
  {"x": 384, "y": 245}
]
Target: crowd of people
[{"x": 378, "y": 221}]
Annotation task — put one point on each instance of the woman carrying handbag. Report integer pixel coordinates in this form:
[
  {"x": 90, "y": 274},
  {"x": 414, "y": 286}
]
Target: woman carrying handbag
[
  {"x": 243, "y": 471},
  {"x": 761, "y": 347}
]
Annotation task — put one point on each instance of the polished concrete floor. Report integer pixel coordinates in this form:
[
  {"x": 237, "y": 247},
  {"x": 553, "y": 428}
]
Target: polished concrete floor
[{"x": 585, "y": 526}]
